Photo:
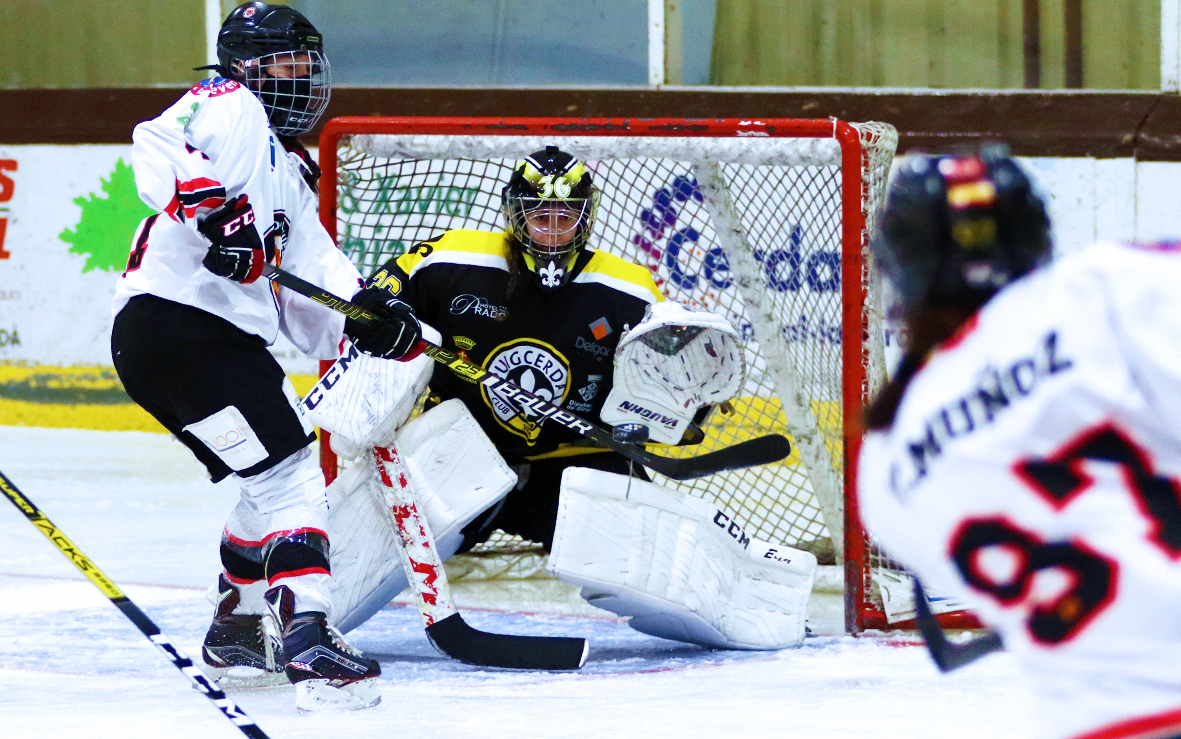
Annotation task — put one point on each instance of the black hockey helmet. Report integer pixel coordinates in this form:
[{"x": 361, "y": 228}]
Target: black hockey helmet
[
  {"x": 276, "y": 52},
  {"x": 549, "y": 209},
  {"x": 956, "y": 229}
]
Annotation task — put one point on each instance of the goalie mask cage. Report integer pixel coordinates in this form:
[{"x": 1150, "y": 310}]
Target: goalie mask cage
[{"x": 764, "y": 221}]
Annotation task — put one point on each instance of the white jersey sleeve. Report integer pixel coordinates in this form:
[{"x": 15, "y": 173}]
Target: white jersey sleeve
[
  {"x": 1034, "y": 470},
  {"x": 310, "y": 254},
  {"x": 214, "y": 144}
]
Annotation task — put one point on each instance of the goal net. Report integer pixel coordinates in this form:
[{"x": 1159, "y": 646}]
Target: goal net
[{"x": 764, "y": 221}]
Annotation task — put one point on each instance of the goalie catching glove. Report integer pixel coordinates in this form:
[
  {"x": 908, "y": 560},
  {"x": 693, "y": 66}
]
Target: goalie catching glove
[
  {"x": 670, "y": 366},
  {"x": 236, "y": 252}
]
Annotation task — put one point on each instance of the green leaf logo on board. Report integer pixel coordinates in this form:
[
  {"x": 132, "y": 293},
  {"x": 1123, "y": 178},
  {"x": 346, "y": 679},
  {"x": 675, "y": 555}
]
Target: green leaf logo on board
[{"x": 103, "y": 235}]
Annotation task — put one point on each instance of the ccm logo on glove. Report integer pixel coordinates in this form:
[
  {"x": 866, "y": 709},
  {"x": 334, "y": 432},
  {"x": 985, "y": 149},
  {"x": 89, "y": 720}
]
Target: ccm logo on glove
[{"x": 237, "y": 252}]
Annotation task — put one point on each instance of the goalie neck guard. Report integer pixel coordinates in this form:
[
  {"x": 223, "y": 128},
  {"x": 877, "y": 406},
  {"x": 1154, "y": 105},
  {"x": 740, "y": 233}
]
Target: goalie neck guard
[
  {"x": 957, "y": 229},
  {"x": 549, "y": 210},
  {"x": 279, "y": 55}
]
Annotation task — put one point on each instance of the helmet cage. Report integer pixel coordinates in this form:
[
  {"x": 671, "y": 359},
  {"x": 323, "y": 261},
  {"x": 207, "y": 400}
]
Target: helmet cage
[
  {"x": 293, "y": 86},
  {"x": 542, "y": 225},
  {"x": 549, "y": 206}
]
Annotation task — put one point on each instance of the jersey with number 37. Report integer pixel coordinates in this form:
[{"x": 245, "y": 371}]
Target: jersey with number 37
[{"x": 1034, "y": 469}]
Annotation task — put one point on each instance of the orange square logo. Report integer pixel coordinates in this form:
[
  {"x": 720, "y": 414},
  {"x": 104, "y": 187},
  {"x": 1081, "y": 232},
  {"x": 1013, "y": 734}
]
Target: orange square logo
[{"x": 600, "y": 329}]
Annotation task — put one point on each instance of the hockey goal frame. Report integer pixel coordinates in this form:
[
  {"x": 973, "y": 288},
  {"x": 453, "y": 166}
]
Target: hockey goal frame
[{"x": 861, "y": 612}]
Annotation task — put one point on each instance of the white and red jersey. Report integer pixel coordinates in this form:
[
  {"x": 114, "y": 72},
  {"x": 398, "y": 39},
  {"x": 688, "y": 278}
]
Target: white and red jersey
[
  {"x": 214, "y": 144},
  {"x": 1033, "y": 470}
]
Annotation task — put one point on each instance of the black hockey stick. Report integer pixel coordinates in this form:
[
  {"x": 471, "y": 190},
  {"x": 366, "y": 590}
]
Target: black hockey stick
[
  {"x": 198, "y": 678},
  {"x": 762, "y": 450},
  {"x": 947, "y": 655},
  {"x": 445, "y": 627}
]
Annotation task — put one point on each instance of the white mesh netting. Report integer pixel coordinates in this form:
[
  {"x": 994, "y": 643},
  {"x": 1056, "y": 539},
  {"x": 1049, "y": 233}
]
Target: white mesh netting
[{"x": 397, "y": 190}]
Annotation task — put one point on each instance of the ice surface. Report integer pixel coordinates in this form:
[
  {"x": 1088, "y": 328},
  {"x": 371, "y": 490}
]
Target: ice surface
[{"x": 138, "y": 504}]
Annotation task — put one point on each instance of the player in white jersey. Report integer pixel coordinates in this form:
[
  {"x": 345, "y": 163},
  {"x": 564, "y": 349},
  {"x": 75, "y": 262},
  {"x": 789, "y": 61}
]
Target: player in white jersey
[
  {"x": 234, "y": 190},
  {"x": 1026, "y": 456}
]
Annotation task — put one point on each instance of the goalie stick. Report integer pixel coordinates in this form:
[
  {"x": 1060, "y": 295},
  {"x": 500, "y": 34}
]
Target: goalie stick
[
  {"x": 947, "y": 655},
  {"x": 761, "y": 450},
  {"x": 198, "y": 678},
  {"x": 446, "y": 629}
]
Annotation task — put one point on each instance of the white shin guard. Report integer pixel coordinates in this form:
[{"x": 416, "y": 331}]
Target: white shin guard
[
  {"x": 677, "y": 565},
  {"x": 288, "y": 497},
  {"x": 457, "y": 475}
]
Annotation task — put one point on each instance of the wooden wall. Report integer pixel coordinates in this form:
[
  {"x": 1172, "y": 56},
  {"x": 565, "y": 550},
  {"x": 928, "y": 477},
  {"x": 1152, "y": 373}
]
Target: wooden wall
[
  {"x": 929, "y": 43},
  {"x": 100, "y": 43}
]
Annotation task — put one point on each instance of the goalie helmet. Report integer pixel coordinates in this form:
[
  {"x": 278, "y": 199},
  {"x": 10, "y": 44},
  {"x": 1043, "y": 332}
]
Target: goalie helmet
[
  {"x": 956, "y": 229},
  {"x": 549, "y": 210},
  {"x": 279, "y": 55}
]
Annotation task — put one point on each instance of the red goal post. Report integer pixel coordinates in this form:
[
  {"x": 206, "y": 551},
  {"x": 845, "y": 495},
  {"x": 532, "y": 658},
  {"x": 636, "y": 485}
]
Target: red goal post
[{"x": 797, "y": 198}]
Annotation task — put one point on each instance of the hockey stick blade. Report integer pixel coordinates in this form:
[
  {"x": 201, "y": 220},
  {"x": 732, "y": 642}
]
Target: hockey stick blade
[
  {"x": 761, "y": 450},
  {"x": 432, "y": 593},
  {"x": 199, "y": 680},
  {"x": 453, "y": 637},
  {"x": 947, "y": 655}
]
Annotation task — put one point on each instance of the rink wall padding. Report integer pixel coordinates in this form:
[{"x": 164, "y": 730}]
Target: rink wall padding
[{"x": 1036, "y": 123}]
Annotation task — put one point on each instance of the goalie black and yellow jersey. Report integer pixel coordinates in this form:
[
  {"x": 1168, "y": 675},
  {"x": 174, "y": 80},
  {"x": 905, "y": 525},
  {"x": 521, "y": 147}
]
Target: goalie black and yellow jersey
[{"x": 558, "y": 345}]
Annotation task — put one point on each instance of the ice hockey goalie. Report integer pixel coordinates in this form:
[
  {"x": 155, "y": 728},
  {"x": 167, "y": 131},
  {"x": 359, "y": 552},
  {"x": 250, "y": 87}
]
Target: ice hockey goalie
[{"x": 679, "y": 567}]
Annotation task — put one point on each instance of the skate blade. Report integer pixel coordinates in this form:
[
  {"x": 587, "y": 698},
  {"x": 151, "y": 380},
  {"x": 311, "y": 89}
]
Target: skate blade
[
  {"x": 312, "y": 696},
  {"x": 245, "y": 677}
]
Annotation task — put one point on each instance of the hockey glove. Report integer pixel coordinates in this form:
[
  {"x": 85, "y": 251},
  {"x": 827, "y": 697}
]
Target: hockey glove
[
  {"x": 237, "y": 251},
  {"x": 394, "y": 337}
]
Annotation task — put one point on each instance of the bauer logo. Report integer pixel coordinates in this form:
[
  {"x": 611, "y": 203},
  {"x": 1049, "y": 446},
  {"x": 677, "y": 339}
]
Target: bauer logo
[{"x": 535, "y": 367}]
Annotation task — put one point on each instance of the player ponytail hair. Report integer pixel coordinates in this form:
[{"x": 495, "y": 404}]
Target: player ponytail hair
[
  {"x": 926, "y": 330},
  {"x": 515, "y": 269}
]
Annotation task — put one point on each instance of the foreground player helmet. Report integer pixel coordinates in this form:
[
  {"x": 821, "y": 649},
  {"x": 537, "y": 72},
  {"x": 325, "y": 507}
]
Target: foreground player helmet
[
  {"x": 279, "y": 55},
  {"x": 957, "y": 229},
  {"x": 549, "y": 209}
]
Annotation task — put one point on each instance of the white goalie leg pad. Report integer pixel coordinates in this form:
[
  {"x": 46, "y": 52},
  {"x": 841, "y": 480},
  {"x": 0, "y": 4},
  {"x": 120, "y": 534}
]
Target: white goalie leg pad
[
  {"x": 672, "y": 363},
  {"x": 361, "y": 399},
  {"x": 679, "y": 567},
  {"x": 457, "y": 474}
]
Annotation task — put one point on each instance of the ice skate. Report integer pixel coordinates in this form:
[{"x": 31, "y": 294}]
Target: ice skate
[
  {"x": 328, "y": 674},
  {"x": 238, "y": 646}
]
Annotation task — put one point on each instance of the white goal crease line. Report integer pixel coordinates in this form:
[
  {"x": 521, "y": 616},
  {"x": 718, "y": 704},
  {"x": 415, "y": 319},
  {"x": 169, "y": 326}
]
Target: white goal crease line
[{"x": 754, "y": 150}]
